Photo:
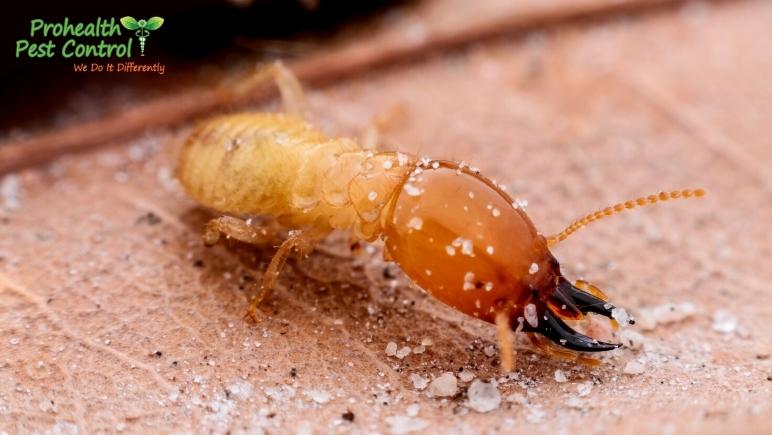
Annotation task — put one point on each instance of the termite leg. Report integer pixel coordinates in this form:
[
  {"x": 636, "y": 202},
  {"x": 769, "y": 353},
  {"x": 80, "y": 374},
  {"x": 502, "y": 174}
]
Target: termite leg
[
  {"x": 238, "y": 229},
  {"x": 289, "y": 87},
  {"x": 506, "y": 348},
  {"x": 299, "y": 241},
  {"x": 372, "y": 137}
]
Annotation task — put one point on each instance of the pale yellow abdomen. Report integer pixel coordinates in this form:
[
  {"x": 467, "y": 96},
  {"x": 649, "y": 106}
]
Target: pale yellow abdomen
[
  {"x": 247, "y": 163},
  {"x": 278, "y": 165}
]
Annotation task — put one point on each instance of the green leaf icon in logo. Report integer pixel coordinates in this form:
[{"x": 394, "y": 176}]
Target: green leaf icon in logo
[
  {"x": 142, "y": 27},
  {"x": 130, "y": 23},
  {"x": 154, "y": 23}
]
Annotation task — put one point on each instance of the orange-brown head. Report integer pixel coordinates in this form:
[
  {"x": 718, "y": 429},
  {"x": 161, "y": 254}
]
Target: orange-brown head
[{"x": 464, "y": 240}]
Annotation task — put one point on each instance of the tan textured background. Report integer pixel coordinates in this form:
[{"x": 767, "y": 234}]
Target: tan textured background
[{"x": 112, "y": 321}]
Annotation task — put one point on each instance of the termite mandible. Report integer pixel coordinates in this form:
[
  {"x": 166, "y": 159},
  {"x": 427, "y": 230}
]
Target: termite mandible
[{"x": 451, "y": 230}]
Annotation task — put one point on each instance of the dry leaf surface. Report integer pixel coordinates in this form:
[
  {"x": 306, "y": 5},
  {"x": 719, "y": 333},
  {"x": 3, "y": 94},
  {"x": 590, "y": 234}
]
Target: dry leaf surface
[{"x": 114, "y": 317}]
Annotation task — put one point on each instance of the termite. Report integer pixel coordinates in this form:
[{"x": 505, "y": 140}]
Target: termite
[{"x": 454, "y": 232}]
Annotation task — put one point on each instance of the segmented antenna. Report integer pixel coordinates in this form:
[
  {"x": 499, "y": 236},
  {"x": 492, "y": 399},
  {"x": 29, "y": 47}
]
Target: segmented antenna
[{"x": 618, "y": 208}]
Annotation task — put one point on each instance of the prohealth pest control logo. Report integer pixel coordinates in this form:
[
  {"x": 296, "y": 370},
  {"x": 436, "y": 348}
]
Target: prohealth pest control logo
[
  {"x": 143, "y": 28},
  {"x": 102, "y": 38}
]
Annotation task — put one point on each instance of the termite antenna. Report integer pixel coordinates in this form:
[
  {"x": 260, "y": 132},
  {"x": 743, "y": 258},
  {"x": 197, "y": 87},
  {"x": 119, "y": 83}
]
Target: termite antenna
[{"x": 618, "y": 208}]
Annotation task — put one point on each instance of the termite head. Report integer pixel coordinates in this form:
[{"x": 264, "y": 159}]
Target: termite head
[
  {"x": 468, "y": 243},
  {"x": 465, "y": 241}
]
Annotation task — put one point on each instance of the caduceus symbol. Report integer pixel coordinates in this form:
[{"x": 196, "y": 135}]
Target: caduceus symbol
[{"x": 143, "y": 28}]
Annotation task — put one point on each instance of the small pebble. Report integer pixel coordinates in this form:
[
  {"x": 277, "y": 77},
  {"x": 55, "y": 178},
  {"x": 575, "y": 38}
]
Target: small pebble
[
  {"x": 466, "y": 375},
  {"x": 724, "y": 322},
  {"x": 584, "y": 388},
  {"x": 318, "y": 396},
  {"x": 483, "y": 396},
  {"x": 402, "y": 353},
  {"x": 621, "y": 316},
  {"x": 530, "y": 315},
  {"x": 391, "y": 348},
  {"x": 444, "y": 385},
  {"x": 419, "y": 382},
  {"x": 634, "y": 367},
  {"x": 560, "y": 376}
]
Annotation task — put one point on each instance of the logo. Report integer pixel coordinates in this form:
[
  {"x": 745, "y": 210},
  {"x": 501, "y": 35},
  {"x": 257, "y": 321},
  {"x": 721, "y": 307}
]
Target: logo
[
  {"x": 143, "y": 28},
  {"x": 101, "y": 38}
]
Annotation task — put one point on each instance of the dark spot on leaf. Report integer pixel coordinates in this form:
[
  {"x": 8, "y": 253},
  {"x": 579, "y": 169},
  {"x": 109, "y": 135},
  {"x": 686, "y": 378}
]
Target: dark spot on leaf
[
  {"x": 149, "y": 218},
  {"x": 387, "y": 273}
]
